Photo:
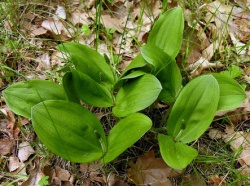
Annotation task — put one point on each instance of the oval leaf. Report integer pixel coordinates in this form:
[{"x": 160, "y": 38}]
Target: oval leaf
[
  {"x": 125, "y": 133},
  {"x": 137, "y": 62},
  {"x": 194, "y": 109},
  {"x": 134, "y": 74},
  {"x": 136, "y": 95},
  {"x": 89, "y": 62},
  {"x": 167, "y": 32},
  {"x": 69, "y": 130},
  {"x": 231, "y": 93},
  {"x": 90, "y": 91},
  {"x": 156, "y": 57},
  {"x": 176, "y": 154},
  {"x": 21, "y": 96},
  {"x": 171, "y": 80},
  {"x": 69, "y": 88}
]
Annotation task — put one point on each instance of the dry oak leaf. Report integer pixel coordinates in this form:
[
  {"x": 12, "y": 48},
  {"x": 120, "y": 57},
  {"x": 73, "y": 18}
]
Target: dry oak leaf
[
  {"x": 149, "y": 170},
  {"x": 239, "y": 140},
  {"x": 25, "y": 150},
  {"x": 62, "y": 174},
  {"x": 55, "y": 26},
  {"x": 35, "y": 176},
  {"x": 112, "y": 22},
  {"x": 6, "y": 146},
  {"x": 79, "y": 18},
  {"x": 217, "y": 180}
]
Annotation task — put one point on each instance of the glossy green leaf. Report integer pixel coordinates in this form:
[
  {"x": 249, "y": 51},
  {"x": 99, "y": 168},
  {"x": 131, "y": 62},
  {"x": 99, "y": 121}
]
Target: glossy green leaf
[
  {"x": 134, "y": 74},
  {"x": 232, "y": 94},
  {"x": 194, "y": 109},
  {"x": 21, "y": 96},
  {"x": 89, "y": 62},
  {"x": 171, "y": 80},
  {"x": 167, "y": 32},
  {"x": 69, "y": 130},
  {"x": 176, "y": 154},
  {"x": 69, "y": 88},
  {"x": 90, "y": 91},
  {"x": 156, "y": 57},
  {"x": 136, "y": 94},
  {"x": 125, "y": 133},
  {"x": 136, "y": 63}
]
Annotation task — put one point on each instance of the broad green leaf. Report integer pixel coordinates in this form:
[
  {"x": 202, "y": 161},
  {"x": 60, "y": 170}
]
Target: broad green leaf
[
  {"x": 171, "y": 80},
  {"x": 90, "y": 91},
  {"x": 176, "y": 154},
  {"x": 134, "y": 74},
  {"x": 156, "y": 57},
  {"x": 136, "y": 63},
  {"x": 231, "y": 93},
  {"x": 69, "y": 130},
  {"x": 69, "y": 88},
  {"x": 167, "y": 32},
  {"x": 194, "y": 109},
  {"x": 125, "y": 133},
  {"x": 232, "y": 72},
  {"x": 136, "y": 94},
  {"x": 89, "y": 62},
  {"x": 21, "y": 96}
]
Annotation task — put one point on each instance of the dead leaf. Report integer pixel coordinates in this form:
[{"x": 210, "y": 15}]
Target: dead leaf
[
  {"x": 197, "y": 67},
  {"x": 38, "y": 31},
  {"x": 112, "y": 22},
  {"x": 25, "y": 150},
  {"x": 6, "y": 146},
  {"x": 55, "y": 26},
  {"x": 61, "y": 12},
  {"x": 43, "y": 62},
  {"x": 217, "y": 180},
  {"x": 13, "y": 164},
  {"x": 79, "y": 18},
  {"x": 239, "y": 140},
  {"x": 149, "y": 170},
  {"x": 35, "y": 176},
  {"x": 62, "y": 174},
  {"x": 215, "y": 134}
]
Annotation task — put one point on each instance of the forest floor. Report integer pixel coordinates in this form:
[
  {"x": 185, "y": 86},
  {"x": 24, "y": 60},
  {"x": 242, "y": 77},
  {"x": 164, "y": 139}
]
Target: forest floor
[{"x": 216, "y": 39}]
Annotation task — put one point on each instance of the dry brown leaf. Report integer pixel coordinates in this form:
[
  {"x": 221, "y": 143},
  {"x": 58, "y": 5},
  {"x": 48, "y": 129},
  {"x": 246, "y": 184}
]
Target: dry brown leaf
[
  {"x": 25, "y": 150},
  {"x": 217, "y": 180},
  {"x": 243, "y": 3},
  {"x": 35, "y": 176},
  {"x": 12, "y": 127},
  {"x": 238, "y": 140},
  {"x": 61, "y": 12},
  {"x": 197, "y": 67},
  {"x": 62, "y": 174},
  {"x": 38, "y": 31},
  {"x": 150, "y": 170},
  {"x": 6, "y": 146},
  {"x": 215, "y": 134},
  {"x": 44, "y": 62},
  {"x": 79, "y": 18},
  {"x": 13, "y": 164},
  {"x": 112, "y": 22},
  {"x": 55, "y": 26}
]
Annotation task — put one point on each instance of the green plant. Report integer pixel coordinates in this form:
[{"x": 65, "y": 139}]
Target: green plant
[{"x": 71, "y": 131}]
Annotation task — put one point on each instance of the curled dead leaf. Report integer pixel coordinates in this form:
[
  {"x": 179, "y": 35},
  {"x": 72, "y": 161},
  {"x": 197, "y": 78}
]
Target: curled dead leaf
[{"x": 151, "y": 170}]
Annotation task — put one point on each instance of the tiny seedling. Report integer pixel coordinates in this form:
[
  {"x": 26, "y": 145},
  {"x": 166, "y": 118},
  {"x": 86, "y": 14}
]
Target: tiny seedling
[{"x": 71, "y": 131}]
